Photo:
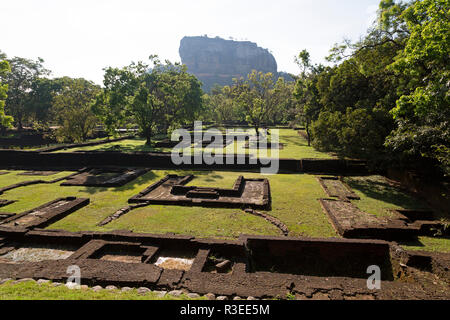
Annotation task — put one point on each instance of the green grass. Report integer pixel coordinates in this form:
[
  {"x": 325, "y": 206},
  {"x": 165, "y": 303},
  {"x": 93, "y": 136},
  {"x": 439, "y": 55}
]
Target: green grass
[
  {"x": 294, "y": 202},
  {"x": 13, "y": 177},
  {"x": 30, "y": 290},
  {"x": 378, "y": 197},
  {"x": 295, "y": 146},
  {"x": 294, "y": 199},
  {"x": 427, "y": 244}
]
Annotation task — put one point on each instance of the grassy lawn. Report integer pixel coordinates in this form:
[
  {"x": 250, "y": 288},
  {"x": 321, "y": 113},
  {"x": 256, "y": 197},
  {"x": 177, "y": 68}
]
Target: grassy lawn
[
  {"x": 294, "y": 202},
  {"x": 13, "y": 177},
  {"x": 32, "y": 291},
  {"x": 34, "y": 148},
  {"x": 295, "y": 146},
  {"x": 378, "y": 197}
]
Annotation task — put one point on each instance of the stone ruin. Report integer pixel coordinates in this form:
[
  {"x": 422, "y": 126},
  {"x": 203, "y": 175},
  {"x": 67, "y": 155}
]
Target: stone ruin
[{"x": 172, "y": 189}]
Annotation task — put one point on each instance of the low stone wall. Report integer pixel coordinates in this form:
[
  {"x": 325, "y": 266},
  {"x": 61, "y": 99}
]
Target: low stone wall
[
  {"x": 85, "y": 144},
  {"x": 154, "y": 160}
]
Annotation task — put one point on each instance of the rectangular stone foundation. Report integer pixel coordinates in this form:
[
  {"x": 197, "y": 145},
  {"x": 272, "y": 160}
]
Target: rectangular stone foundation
[
  {"x": 335, "y": 187},
  {"x": 171, "y": 190},
  {"x": 46, "y": 214},
  {"x": 104, "y": 177},
  {"x": 350, "y": 222}
]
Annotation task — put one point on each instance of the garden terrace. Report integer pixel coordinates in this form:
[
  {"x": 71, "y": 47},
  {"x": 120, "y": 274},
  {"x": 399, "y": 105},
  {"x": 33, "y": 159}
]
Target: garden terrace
[
  {"x": 294, "y": 205},
  {"x": 161, "y": 241}
]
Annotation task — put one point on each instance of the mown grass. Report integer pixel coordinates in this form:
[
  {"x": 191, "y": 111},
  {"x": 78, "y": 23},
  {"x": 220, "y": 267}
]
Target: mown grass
[
  {"x": 294, "y": 202},
  {"x": 13, "y": 177},
  {"x": 30, "y": 290},
  {"x": 378, "y": 197},
  {"x": 295, "y": 146}
]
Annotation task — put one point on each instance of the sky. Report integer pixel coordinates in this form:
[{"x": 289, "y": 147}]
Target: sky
[{"x": 78, "y": 38}]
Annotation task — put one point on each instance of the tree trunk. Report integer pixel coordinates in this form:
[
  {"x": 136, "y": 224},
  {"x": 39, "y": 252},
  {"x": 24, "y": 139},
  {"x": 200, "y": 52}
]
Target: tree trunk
[
  {"x": 257, "y": 131},
  {"x": 308, "y": 134},
  {"x": 148, "y": 136},
  {"x": 19, "y": 124}
]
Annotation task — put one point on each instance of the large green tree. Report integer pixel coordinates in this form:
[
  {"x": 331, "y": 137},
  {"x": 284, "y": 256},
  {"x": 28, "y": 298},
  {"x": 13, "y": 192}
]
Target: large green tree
[
  {"x": 5, "y": 121},
  {"x": 255, "y": 95},
  {"x": 221, "y": 105},
  {"x": 348, "y": 105},
  {"x": 73, "y": 109},
  {"x": 157, "y": 99},
  {"x": 422, "y": 112},
  {"x": 120, "y": 86},
  {"x": 306, "y": 92},
  {"x": 40, "y": 100},
  {"x": 24, "y": 72}
]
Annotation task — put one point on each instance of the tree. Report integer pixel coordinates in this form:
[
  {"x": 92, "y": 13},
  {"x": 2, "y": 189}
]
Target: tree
[
  {"x": 120, "y": 86},
  {"x": 284, "y": 102},
  {"x": 72, "y": 107},
  {"x": 255, "y": 95},
  {"x": 306, "y": 92},
  {"x": 157, "y": 99},
  {"x": 221, "y": 105},
  {"x": 40, "y": 100},
  {"x": 354, "y": 97},
  {"x": 5, "y": 121},
  {"x": 422, "y": 112},
  {"x": 20, "y": 81},
  {"x": 181, "y": 94}
]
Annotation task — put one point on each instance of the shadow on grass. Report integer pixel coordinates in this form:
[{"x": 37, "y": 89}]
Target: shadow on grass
[
  {"x": 147, "y": 178},
  {"x": 380, "y": 189},
  {"x": 417, "y": 243},
  {"x": 131, "y": 148}
]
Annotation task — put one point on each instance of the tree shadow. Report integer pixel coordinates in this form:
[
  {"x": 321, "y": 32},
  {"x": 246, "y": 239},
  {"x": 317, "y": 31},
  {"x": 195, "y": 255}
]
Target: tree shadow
[
  {"x": 144, "y": 179},
  {"x": 417, "y": 243},
  {"x": 380, "y": 189}
]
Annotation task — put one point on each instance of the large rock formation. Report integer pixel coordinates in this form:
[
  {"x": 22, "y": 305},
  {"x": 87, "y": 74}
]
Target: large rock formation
[{"x": 218, "y": 61}]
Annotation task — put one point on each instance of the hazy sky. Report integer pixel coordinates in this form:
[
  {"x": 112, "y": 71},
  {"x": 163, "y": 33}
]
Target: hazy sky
[{"x": 78, "y": 38}]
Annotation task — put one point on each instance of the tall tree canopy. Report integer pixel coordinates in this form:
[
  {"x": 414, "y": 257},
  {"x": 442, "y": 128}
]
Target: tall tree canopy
[
  {"x": 24, "y": 72},
  {"x": 5, "y": 121},
  {"x": 422, "y": 112},
  {"x": 73, "y": 109},
  {"x": 255, "y": 96},
  {"x": 158, "y": 99}
]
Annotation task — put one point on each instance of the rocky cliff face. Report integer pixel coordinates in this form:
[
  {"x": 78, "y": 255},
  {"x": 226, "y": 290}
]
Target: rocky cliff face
[{"x": 218, "y": 61}]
